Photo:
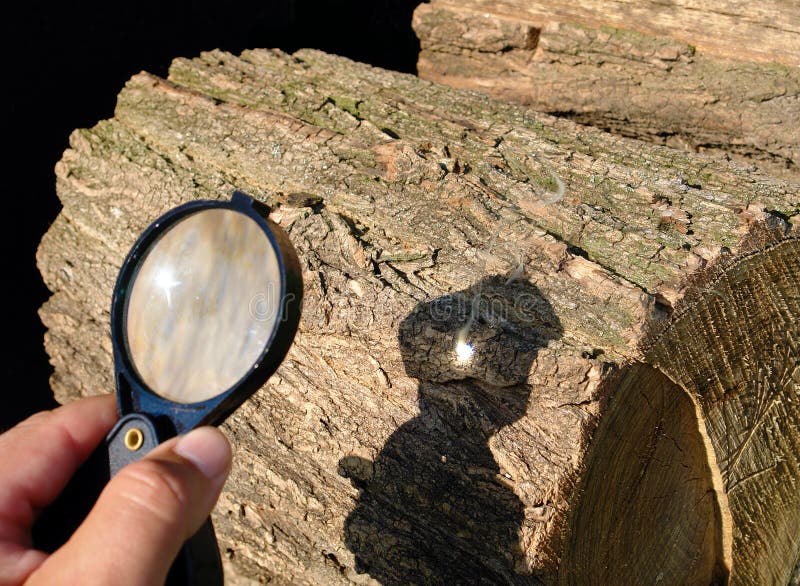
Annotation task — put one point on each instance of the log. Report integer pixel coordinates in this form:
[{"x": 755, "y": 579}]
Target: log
[
  {"x": 531, "y": 352},
  {"x": 704, "y": 76}
]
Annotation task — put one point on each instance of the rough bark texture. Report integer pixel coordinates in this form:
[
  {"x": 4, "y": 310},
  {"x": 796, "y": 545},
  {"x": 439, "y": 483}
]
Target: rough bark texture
[
  {"x": 609, "y": 390},
  {"x": 719, "y": 76}
]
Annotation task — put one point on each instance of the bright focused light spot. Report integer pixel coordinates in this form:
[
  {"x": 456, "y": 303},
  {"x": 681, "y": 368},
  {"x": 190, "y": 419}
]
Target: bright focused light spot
[
  {"x": 165, "y": 279},
  {"x": 464, "y": 351}
]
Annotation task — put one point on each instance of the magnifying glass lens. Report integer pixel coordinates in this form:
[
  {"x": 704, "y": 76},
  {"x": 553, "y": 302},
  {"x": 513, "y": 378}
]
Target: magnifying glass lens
[{"x": 203, "y": 305}]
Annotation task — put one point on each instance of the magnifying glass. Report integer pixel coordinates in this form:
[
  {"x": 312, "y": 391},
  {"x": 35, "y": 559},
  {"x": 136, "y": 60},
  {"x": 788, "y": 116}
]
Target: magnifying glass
[{"x": 205, "y": 308}]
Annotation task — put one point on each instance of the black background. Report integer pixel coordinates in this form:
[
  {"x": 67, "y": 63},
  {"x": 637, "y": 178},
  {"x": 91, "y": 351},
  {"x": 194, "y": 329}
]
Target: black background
[{"x": 64, "y": 64}]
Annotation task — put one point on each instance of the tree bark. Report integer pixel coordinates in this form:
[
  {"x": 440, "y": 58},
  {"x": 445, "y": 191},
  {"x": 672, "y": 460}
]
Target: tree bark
[
  {"x": 623, "y": 405},
  {"x": 713, "y": 76}
]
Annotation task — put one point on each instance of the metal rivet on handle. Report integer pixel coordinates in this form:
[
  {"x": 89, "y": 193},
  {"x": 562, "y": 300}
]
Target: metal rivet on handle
[{"x": 134, "y": 438}]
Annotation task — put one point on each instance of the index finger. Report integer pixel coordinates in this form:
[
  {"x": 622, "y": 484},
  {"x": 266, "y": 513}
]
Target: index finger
[{"x": 40, "y": 455}]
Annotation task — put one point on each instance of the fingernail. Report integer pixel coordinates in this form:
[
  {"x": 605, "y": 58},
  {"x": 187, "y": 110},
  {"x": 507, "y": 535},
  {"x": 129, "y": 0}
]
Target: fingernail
[{"x": 208, "y": 449}]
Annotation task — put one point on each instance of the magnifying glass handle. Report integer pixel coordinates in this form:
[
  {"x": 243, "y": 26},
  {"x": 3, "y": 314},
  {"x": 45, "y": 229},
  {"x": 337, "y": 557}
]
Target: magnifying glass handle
[{"x": 197, "y": 564}]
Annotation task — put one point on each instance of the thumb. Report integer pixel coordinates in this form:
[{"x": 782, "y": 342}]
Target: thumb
[{"x": 145, "y": 514}]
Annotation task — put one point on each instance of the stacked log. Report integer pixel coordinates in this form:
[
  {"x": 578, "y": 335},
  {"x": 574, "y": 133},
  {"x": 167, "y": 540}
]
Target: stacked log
[{"x": 716, "y": 76}]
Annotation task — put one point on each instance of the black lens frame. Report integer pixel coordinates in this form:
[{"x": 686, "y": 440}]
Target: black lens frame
[{"x": 170, "y": 417}]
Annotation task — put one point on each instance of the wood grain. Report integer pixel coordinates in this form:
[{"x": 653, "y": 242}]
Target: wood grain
[{"x": 203, "y": 305}]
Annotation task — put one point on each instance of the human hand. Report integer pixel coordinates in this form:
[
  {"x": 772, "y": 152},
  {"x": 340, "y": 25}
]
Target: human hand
[{"x": 139, "y": 523}]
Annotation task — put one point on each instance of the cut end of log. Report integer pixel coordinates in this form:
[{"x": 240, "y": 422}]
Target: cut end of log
[
  {"x": 694, "y": 444},
  {"x": 735, "y": 347},
  {"x": 648, "y": 510}
]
